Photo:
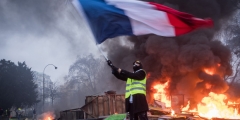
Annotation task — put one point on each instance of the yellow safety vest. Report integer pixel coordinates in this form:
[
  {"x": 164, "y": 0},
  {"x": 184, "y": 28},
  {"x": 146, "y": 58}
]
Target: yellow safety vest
[{"x": 135, "y": 87}]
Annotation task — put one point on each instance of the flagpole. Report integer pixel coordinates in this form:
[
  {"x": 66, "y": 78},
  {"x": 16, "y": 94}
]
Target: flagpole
[
  {"x": 67, "y": 1},
  {"x": 102, "y": 52}
]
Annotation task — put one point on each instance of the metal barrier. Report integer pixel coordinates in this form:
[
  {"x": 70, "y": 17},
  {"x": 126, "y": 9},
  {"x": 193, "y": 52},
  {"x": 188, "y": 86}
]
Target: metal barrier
[
  {"x": 103, "y": 105},
  {"x": 96, "y": 107}
]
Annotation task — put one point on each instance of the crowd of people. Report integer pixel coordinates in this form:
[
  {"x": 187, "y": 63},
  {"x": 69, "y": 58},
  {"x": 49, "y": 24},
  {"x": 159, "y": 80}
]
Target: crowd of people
[{"x": 16, "y": 113}]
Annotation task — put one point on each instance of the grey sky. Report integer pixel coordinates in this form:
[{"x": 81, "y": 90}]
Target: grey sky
[{"x": 42, "y": 32}]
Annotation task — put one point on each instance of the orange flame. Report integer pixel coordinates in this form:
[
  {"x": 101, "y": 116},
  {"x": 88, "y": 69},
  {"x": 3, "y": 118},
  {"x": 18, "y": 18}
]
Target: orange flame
[
  {"x": 209, "y": 71},
  {"x": 208, "y": 86},
  {"x": 187, "y": 107},
  {"x": 172, "y": 112},
  {"x": 212, "y": 70},
  {"x": 161, "y": 94},
  {"x": 214, "y": 106},
  {"x": 48, "y": 116}
]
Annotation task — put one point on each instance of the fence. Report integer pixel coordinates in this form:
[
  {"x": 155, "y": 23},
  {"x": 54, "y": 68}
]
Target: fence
[
  {"x": 96, "y": 107},
  {"x": 104, "y": 105}
]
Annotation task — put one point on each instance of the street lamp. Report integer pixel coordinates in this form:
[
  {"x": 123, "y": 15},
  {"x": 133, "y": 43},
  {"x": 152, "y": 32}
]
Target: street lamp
[{"x": 44, "y": 82}]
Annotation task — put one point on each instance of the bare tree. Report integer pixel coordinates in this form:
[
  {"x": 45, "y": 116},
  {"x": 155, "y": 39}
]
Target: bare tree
[
  {"x": 85, "y": 72},
  {"x": 53, "y": 91},
  {"x": 231, "y": 37}
]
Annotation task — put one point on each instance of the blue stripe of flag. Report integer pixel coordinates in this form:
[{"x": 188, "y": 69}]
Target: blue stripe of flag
[{"x": 106, "y": 21}]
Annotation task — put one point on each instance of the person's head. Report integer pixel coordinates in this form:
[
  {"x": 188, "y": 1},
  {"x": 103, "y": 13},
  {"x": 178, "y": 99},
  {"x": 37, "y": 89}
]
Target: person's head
[{"x": 137, "y": 65}]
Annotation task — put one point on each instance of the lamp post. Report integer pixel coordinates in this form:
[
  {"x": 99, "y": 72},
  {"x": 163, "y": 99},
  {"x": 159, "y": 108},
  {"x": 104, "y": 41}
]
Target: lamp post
[{"x": 44, "y": 82}]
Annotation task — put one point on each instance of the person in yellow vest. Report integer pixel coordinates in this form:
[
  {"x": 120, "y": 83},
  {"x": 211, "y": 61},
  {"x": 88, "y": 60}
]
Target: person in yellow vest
[{"x": 135, "y": 96}]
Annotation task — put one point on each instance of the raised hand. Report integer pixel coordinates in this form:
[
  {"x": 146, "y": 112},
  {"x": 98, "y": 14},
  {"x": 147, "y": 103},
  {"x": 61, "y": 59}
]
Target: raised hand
[{"x": 109, "y": 63}]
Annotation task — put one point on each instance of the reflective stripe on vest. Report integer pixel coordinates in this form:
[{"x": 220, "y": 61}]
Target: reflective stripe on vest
[{"x": 135, "y": 87}]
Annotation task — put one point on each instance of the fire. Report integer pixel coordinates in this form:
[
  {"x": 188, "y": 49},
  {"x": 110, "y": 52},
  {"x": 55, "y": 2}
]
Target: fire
[
  {"x": 214, "y": 106},
  {"x": 209, "y": 71},
  {"x": 161, "y": 94},
  {"x": 208, "y": 86},
  {"x": 48, "y": 118},
  {"x": 212, "y": 70},
  {"x": 187, "y": 107},
  {"x": 172, "y": 112}
]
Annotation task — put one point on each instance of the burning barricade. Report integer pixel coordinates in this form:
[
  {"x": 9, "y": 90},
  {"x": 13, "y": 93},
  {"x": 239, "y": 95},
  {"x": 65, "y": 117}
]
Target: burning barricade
[
  {"x": 213, "y": 106},
  {"x": 46, "y": 116}
]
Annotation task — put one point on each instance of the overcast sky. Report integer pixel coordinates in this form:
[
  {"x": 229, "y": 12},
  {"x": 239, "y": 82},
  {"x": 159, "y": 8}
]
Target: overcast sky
[{"x": 43, "y": 32}]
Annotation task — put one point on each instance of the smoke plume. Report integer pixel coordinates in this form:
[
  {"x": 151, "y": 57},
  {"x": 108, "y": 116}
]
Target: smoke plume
[{"x": 183, "y": 60}]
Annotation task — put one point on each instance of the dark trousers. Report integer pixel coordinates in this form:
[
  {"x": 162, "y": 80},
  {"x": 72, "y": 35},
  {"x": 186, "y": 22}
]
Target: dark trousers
[{"x": 135, "y": 116}]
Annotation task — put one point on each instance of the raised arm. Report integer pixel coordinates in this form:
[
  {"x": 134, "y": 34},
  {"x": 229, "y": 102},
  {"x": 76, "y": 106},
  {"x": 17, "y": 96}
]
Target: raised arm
[
  {"x": 138, "y": 75},
  {"x": 115, "y": 72},
  {"x": 119, "y": 76}
]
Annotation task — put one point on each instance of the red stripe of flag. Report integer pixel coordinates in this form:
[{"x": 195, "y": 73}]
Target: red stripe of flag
[{"x": 182, "y": 22}]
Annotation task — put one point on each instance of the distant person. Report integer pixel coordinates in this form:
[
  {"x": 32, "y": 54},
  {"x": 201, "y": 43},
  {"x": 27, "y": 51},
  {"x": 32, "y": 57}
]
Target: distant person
[
  {"x": 8, "y": 113},
  {"x": 1, "y": 113},
  {"x": 18, "y": 113},
  {"x": 135, "y": 96},
  {"x": 34, "y": 114}
]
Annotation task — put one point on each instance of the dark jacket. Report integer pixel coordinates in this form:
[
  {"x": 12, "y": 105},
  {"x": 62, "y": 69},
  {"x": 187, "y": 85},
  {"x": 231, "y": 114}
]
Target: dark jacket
[{"x": 139, "y": 100}]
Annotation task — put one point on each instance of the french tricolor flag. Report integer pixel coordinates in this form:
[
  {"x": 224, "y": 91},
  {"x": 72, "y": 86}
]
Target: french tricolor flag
[{"x": 111, "y": 18}]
